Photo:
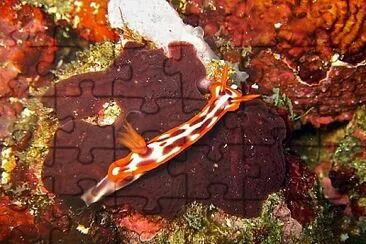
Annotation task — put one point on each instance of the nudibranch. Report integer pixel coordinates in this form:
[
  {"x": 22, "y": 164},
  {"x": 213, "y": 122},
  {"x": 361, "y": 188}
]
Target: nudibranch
[{"x": 146, "y": 156}]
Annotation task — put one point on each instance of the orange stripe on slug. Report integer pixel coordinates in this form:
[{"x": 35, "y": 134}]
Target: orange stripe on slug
[
  {"x": 213, "y": 90},
  {"x": 123, "y": 161},
  {"x": 245, "y": 98},
  {"x": 224, "y": 77},
  {"x": 117, "y": 173}
]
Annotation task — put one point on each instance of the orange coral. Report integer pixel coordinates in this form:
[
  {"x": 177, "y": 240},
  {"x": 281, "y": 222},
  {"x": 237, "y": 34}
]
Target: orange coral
[
  {"x": 302, "y": 38},
  {"x": 302, "y": 30},
  {"x": 12, "y": 217},
  {"x": 91, "y": 21}
]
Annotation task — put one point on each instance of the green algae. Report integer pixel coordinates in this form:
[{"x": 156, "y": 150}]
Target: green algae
[
  {"x": 97, "y": 58},
  {"x": 359, "y": 119},
  {"x": 179, "y": 5},
  {"x": 38, "y": 121},
  {"x": 338, "y": 145},
  {"x": 207, "y": 224},
  {"x": 350, "y": 153},
  {"x": 350, "y": 149},
  {"x": 360, "y": 166},
  {"x": 283, "y": 101}
]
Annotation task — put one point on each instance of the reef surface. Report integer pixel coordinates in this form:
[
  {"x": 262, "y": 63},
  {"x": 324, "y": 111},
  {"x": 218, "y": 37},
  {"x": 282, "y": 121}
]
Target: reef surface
[
  {"x": 313, "y": 51},
  {"x": 234, "y": 167},
  {"x": 307, "y": 58}
]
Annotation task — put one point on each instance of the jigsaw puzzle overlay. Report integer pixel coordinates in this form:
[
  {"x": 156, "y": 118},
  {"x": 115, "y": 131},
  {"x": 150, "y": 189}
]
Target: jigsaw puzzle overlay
[
  {"x": 232, "y": 167},
  {"x": 235, "y": 166}
]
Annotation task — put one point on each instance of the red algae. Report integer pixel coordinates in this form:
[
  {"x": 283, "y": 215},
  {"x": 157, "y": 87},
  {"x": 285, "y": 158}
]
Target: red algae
[
  {"x": 300, "y": 182},
  {"x": 29, "y": 48},
  {"x": 145, "y": 227}
]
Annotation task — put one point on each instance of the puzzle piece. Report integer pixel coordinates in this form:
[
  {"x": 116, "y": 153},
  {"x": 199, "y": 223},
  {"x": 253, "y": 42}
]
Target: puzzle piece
[
  {"x": 17, "y": 225},
  {"x": 234, "y": 167},
  {"x": 215, "y": 169},
  {"x": 144, "y": 94},
  {"x": 181, "y": 64},
  {"x": 154, "y": 186},
  {"x": 235, "y": 163},
  {"x": 137, "y": 73}
]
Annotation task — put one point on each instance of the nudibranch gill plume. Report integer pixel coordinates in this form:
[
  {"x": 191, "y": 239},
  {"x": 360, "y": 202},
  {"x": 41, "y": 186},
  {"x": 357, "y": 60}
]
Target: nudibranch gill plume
[{"x": 146, "y": 156}]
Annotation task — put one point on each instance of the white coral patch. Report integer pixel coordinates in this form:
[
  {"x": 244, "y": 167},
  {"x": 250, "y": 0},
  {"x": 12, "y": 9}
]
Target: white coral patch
[{"x": 157, "y": 21}]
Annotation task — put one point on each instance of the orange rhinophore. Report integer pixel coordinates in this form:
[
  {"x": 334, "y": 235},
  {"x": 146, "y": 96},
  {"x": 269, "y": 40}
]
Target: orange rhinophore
[{"x": 147, "y": 156}]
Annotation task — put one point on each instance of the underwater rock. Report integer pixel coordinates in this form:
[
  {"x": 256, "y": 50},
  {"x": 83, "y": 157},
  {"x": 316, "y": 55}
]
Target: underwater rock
[
  {"x": 333, "y": 99},
  {"x": 347, "y": 172},
  {"x": 343, "y": 178},
  {"x": 8, "y": 114},
  {"x": 235, "y": 166},
  {"x": 317, "y": 48},
  {"x": 291, "y": 227},
  {"x": 329, "y": 191}
]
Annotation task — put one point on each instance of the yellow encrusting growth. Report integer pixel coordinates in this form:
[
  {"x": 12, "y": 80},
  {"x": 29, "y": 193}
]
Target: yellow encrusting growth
[
  {"x": 8, "y": 159},
  {"x": 84, "y": 230},
  {"x": 8, "y": 163}
]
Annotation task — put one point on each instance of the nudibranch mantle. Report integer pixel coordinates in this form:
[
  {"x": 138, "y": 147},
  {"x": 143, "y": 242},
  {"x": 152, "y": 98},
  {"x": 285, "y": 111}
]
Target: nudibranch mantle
[{"x": 162, "y": 148}]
